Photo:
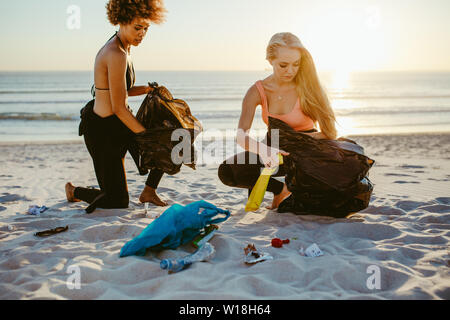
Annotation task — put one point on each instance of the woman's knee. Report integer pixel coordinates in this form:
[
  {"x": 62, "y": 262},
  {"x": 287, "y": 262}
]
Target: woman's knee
[{"x": 226, "y": 174}]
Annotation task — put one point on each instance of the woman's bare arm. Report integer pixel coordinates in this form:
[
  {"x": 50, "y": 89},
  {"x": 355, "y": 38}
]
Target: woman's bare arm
[
  {"x": 268, "y": 155},
  {"x": 249, "y": 104},
  {"x": 117, "y": 66},
  {"x": 316, "y": 135},
  {"x": 139, "y": 90}
]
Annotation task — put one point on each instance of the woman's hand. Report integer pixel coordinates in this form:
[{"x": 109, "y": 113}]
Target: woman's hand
[
  {"x": 316, "y": 135},
  {"x": 269, "y": 156}
]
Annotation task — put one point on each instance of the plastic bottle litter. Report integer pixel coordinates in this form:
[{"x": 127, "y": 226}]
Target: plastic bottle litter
[
  {"x": 204, "y": 253},
  {"x": 312, "y": 251},
  {"x": 204, "y": 237}
]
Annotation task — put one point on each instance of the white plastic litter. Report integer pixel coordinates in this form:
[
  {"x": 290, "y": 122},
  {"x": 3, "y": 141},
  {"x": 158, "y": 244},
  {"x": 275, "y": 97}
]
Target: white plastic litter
[
  {"x": 149, "y": 213},
  {"x": 36, "y": 210},
  {"x": 254, "y": 256},
  {"x": 11, "y": 227},
  {"x": 312, "y": 251}
]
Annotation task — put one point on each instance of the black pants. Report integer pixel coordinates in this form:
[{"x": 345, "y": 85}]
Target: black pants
[
  {"x": 107, "y": 141},
  {"x": 245, "y": 174}
]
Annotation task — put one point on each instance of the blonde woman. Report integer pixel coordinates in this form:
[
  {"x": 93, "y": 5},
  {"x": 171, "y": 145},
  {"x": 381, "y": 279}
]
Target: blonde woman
[{"x": 293, "y": 94}]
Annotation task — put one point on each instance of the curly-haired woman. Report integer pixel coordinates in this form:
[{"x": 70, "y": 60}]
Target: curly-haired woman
[
  {"x": 110, "y": 125},
  {"x": 293, "y": 94}
]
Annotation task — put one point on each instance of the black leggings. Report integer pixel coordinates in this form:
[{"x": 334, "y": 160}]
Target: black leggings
[
  {"x": 106, "y": 140},
  {"x": 245, "y": 175}
]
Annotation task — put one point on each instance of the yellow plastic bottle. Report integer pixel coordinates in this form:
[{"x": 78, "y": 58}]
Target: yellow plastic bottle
[{"x": 258, "y": 191}]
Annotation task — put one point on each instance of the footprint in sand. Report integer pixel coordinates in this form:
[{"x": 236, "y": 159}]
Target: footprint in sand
[
  {"x": 443, "y": 200},
  {"x": 399, "y": 175},
  {"x": 408, "y": 205},
  {"x": 401, "y": 181},
  {"x": 10, "y": 197},
  {"x": 407, "y": 166}
]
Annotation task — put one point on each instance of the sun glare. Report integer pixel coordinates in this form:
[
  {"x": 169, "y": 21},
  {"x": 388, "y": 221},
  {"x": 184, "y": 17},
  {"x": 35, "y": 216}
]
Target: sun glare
[
  {"x": 346, "y": 40},
  {"x": 340, "y": 80}
]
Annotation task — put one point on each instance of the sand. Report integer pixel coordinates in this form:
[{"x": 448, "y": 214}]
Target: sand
[{"x": 402, "y": 239}]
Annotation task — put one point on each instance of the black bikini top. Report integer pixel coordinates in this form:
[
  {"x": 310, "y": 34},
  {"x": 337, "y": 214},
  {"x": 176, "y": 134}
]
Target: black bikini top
[{"x": 130, "y": 75}]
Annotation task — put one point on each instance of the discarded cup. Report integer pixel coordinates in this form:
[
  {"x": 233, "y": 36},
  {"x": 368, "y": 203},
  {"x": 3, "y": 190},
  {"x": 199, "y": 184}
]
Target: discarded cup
[{"x": 148, "y": 213}]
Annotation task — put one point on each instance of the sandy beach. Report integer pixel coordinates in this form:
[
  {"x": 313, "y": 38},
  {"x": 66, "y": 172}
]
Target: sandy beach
[{"x": 404, "y": 233}]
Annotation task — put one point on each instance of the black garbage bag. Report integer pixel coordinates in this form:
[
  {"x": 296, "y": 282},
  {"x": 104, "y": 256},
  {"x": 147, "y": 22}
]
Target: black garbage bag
[
  {"x": 161, "y": 114},
  {"x": 326, "y": 177}
]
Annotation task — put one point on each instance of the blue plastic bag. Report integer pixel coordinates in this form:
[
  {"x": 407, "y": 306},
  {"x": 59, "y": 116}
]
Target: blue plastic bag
[{"x": 176, "y": 226}]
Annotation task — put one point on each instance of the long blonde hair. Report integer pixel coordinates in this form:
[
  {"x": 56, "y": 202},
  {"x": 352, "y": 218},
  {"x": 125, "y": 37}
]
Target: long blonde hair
[{"x": 313, "y": 98}]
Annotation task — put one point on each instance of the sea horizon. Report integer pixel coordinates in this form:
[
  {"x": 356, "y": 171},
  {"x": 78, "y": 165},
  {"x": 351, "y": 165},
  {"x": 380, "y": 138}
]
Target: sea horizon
[{"x": 44, "y": 105}]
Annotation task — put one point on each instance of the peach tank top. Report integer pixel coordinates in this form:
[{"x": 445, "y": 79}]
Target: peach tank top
[{"x": 296, "y": 119}]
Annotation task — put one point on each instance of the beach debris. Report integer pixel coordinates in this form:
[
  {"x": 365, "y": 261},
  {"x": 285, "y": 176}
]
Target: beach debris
[
  {"x": 312, "y": 251},
  {"x": 252, "y": 255},
  {"x": 11, "y": 227},
  {"x": 35, "y": 210},
  {"x": 204, "y": 253},
  {"x": 205, "y": 236},
  {"x": 278, "y": 243},
  {"x": 50, "y": 232},
  {"x": 149, "y": 213},
  {"x": 176, "y": 226}
]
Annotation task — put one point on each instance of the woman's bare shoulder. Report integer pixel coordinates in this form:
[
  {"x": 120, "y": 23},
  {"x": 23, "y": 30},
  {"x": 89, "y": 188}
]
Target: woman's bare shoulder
[
  {"x": 252, "y": 96},
  {"x": 111, "y": 54},
  {"x": 267, "y": 83}
]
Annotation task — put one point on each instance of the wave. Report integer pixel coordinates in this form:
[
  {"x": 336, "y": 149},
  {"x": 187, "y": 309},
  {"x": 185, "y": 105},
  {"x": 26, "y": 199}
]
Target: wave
[
  {"x": 387, "y": 111},
  {"x": 45, "y": 91},
  {"x": 36, "y": 116},
  {"x": 385, "y": 97},
  {"x": 237, "y": 99},
  {"x": 43, "y": 101},
  {"x": 234, "y": 114}
]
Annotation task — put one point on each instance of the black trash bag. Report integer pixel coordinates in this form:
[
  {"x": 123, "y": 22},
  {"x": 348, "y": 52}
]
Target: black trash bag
[
  {"x": 326, "y": 177},
  {"x": 161, "y": 114}
]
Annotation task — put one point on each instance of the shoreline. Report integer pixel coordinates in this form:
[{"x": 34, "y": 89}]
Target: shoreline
[{"x": 354, "y": 136}]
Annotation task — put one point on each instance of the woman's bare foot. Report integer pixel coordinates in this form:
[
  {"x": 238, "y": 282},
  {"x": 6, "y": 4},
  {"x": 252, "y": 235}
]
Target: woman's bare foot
[
  {"x": 149, "y": 195},
  {"x": 70, "y": 188},
  {"x": 277, "y": 199}
]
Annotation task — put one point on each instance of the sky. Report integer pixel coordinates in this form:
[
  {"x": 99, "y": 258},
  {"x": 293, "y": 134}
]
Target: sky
[{"x": 341, "y": 35}]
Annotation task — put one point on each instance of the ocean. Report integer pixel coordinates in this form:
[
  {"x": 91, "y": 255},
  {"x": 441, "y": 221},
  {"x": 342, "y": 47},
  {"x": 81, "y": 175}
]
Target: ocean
[{"x": 44, "y": 106}]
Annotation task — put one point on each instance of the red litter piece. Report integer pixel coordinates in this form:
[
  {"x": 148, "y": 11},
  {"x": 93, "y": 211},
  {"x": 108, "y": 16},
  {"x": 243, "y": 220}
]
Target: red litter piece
[{"x": 278, "y": 243}]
